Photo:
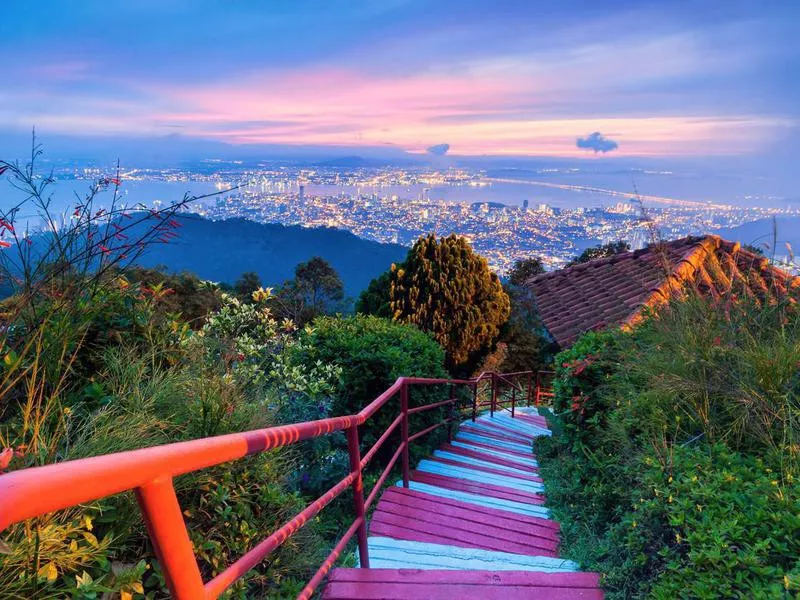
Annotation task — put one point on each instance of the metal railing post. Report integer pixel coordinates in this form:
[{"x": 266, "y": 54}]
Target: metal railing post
[
  {"x": 358, "y": 494},
  {"x": 452, "y": 412},
  {"x": 475, "y": 400},
  {"x": 513, "y": 400},
  {"x": 404, "y": 431},
  {"x": 493, "y": 405},
  {"x": 529, "y": 398},
  {"x": 167, "y": 529}
]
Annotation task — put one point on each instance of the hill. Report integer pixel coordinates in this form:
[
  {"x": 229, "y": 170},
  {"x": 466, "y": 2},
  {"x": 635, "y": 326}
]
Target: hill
[
  {"x": 760, "y": 234},
  {"x": 223, "y": 250}
]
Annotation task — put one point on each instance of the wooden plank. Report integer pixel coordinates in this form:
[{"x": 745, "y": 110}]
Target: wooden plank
[
  {"x": 528, "y": 437},
  {"x": 467, "y": 517},
  {"x": 387, "y": 525},
  {"x": 495, "y": 538},
  {"x": 488, "y": 458},
  {"x": 538, "y": 421},
  {"x": 542, "y": 538},
  {"x": 499, "y": 578},
  {"x": 482, "y": 511},
  {"x": 455, "y": 463},
  {"x": 499, "y": 436},
  {"x": 511, "y": 453},
  {"x": 470, "y": 475},
  {"x": 471, "y": 487},
  {"x": 347, "y": 590}
]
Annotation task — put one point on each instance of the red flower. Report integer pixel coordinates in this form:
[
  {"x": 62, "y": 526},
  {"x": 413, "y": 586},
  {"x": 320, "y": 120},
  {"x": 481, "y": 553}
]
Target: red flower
[
  {"x": 5, "y": 458},
  {"x": 4, "y": 244},
  {"x": 104, "y": 250},
  {"x": 6, "y": 224},
  {"x": 114, "y": 180},
  {"x": 718, "y": 341}
]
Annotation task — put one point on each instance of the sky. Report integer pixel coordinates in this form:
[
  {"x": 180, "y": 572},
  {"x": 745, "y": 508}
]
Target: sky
[{"x": 498, "y": 78}]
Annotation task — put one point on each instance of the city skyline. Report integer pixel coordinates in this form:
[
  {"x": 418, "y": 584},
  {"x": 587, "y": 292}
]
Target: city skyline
[{"x": 397, "y": 78}]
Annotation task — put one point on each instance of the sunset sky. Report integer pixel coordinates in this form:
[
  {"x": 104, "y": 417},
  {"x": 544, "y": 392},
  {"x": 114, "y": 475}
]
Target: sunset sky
[{"x": 496, "y": 78}]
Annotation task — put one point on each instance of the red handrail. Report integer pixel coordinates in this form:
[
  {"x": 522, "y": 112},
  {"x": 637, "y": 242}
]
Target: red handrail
[{"x": 150, "y": 472}]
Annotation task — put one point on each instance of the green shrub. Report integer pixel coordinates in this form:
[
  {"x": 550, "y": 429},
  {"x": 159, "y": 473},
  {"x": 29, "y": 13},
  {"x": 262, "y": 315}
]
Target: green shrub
[
  {"x": 674, "y": 468},
  {"x": 372, "y": 353}
]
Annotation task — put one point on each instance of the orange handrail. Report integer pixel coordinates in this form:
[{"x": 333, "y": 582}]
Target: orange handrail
[{"x": 33, "y": 492}]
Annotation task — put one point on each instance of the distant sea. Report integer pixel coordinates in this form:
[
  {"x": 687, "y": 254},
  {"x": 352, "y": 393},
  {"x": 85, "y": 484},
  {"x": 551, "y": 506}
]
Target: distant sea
[{"x": 726, "y": 190}]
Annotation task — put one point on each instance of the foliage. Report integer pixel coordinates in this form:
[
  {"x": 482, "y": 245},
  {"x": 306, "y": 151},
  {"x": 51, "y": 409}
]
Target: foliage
[
  {"x": 315, "y": 290},
  {"x": 445, "y": 288},
  {"x": 527, "y": 343},
  {"x": 376, "y": 299},
  {"x": 601, "y": 251},
  {"x": 247, "y": 283},
  {"x": 674, "y": 471},
  {"x": 190, "y": 298},
  {"x": 372, "y": 353},
  {"x": 524, "y": 269}
]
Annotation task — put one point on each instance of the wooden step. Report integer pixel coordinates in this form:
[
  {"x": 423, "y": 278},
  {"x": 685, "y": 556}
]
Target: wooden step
[{"x": 415, "y": 584}]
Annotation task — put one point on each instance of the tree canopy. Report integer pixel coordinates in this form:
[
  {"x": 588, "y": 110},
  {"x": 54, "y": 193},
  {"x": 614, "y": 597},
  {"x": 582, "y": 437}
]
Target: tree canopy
[
  {"x": 524, "y": 269},
  {"x": 447, "y": 289},
  {"x": 601, "y": 251},
  {"x": 315, "y": 290}
]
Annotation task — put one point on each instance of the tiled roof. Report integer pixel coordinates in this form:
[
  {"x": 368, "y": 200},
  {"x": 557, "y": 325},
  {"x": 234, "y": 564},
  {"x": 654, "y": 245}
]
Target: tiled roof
[{"x": 613, "y": 290}]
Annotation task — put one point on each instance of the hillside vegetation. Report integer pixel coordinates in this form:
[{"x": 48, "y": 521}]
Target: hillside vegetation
[{"x": 674, "y": 468}]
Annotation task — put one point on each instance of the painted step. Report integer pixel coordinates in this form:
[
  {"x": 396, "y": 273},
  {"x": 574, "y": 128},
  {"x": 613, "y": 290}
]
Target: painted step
[
  {"x": 469, "y": 474},
  {"x": 479, "y": 499},
  {"x": 388, "y": 553},
  {"x": 414, "y": 584},
  {"x": 453, "y": 458},
  {"x": 466, "y": 512},
  {"x": 526, "y": 466}
]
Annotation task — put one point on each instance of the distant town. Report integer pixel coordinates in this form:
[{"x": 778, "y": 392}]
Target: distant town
[{"x": 397, "y": 205}]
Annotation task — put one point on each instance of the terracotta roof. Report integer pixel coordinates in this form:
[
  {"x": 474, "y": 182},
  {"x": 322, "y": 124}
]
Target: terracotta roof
[{"x": 614, "y": 290}]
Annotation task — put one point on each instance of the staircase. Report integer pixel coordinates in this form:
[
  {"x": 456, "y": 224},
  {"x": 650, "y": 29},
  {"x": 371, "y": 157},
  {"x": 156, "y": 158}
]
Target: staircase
[{"x": 470, "y": 524}]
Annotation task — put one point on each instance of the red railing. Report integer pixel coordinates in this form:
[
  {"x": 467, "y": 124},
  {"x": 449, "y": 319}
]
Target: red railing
[
  {"x": 149, "y": 472},
  {"x": 544, "y": 387}
]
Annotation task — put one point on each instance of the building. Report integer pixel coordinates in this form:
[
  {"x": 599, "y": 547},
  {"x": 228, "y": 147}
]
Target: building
[{"x": 615, "y": 291}]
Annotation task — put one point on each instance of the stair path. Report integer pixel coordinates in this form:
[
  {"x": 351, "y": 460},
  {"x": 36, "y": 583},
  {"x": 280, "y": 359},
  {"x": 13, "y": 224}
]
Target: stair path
[{"x": 472, "y": 524}]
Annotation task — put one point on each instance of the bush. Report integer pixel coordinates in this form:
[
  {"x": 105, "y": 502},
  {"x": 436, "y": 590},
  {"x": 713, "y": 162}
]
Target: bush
[
  {"x": 674, "y": 468},
  {"x": 372, "y": 353}
]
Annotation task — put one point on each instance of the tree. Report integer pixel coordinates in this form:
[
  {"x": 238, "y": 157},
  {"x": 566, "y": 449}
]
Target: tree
[
  {"x": 248, "y": 283},
  {"x": 445, "y": 288},
  {"x": 315, "y": 290},
  {"x": 524, "y": 269},
  {"x": 376, "y": 299},
  {"x": 601, "y": 251}
]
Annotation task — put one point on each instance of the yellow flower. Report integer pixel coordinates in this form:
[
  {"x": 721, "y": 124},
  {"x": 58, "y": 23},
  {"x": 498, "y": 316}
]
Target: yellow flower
[
  {"x": 694, "y": 478},
  {"x": 786, "y": 582},
  {"x": 67, "y": 411},
  {"x": 670, "y": 479},
  {"x": 774, "y": 482},
  {"x": 262, "y": 294},
  {"x": 678, "y": 538},
  {"x": 633, "y": 524},
  {"x": 698, "y": 507},
  {"x": 669, "y": 499}
]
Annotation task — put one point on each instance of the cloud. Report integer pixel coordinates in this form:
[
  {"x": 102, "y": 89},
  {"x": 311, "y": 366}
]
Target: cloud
[
  {"x": 439, "y": 149},
  {"x": 598, "y": 142}
]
